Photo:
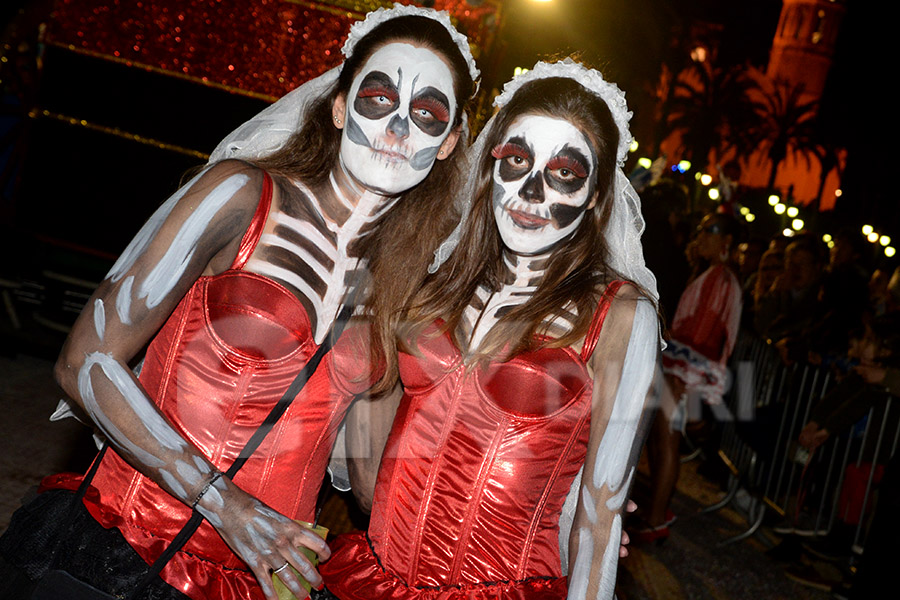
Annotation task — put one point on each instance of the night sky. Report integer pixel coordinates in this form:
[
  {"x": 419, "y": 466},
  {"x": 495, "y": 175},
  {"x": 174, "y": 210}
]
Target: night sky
[{"x": 629, "y": 39}]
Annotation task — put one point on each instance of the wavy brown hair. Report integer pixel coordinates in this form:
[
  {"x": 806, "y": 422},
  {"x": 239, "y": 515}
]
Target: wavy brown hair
[
  {"x": 578, "y": 268},
  {"x": 401, "y": 243}
]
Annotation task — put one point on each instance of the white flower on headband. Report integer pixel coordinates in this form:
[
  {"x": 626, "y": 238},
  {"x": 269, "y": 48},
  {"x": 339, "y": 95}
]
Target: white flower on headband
[
  {"x": 375, "y": 18},
  {"x": 591, "y": 80}
]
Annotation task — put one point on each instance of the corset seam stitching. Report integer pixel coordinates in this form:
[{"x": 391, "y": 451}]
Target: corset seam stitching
[
  {"x": 542, "y": 504},
  {"x": 466, "y": 533},
  {"x": 432, "y": 476}
]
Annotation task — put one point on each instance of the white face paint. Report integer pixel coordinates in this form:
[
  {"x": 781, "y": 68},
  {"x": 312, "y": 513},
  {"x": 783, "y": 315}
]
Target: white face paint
[
  {"x": 400, "y": 110},
  {"x": 543, "y": 182}
]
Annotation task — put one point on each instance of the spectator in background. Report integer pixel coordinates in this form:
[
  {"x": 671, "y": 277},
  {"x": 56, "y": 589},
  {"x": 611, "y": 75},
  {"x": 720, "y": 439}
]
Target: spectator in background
[
  {"x": 702, "y": 336},
  {"x": 843, "y": 301},
  {"x": 662, "y": 251},
  {"x": 791, "y": 305},
  {"x": 748, "y": 257},
  {"x": 771, "y": 265}
]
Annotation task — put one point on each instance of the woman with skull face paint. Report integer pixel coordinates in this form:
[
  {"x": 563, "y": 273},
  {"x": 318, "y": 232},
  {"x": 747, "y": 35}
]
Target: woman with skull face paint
[
  {"x": 234, "y": 282},
  {"x": 527, "y": 368}
]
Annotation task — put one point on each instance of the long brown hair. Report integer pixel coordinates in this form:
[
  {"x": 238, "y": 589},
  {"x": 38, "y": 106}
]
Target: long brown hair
[
  {"x": 576, "y": 269},
  {"x": 401, "y": 243}
]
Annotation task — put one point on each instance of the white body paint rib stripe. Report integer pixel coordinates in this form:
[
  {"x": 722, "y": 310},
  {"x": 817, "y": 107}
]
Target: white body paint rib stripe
[
  {"x": 289, "y": 277},
  {"x": 305, "y": 229}
]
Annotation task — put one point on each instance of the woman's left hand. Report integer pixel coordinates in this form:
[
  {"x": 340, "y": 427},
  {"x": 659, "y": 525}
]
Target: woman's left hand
[{"x": 263, "y": 538}]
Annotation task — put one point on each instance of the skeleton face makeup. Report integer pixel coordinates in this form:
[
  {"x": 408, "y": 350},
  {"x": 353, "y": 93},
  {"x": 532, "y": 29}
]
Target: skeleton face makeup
[
  {"x": 399, "y": 111},
  {"x": 543, "y": 182}
]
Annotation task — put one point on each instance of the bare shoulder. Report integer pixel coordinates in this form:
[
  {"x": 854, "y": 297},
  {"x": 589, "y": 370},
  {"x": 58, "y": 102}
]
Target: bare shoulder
[
  {"x": 245, "y": 179},
  {"x": 628, "y": 298},
  {"x": 631, "y": 313}
]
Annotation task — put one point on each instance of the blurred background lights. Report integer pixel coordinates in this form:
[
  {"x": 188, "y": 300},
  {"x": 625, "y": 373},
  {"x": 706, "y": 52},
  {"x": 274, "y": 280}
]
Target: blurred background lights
[
  {"x": 744, "y": 210},
  {"x": 750, "y": 217},
  {"x": 826, "y": 238},
  {"x": 831, "y": 244},
  {"x": 797, "y": 224},
  {"x": 872, "y": 237},
  {"x": 837, "y": 193},
  {"x": 884, "y": 240},
  {"x": 889, "y": 251},
  {"x": 519, "y": 70},
  {"x": 780, "y": 208},
  {"x": 867, "y": 229},
  {"x": 634, "y": 146},
  {"x": 788, "y": 232},
  {"x": 645, "y": 162},
  {"x": 713, "y": 193},
  {"x": 773, "y": 200},
  {"x": 792, "y": 211},
  {"x": 706, "y": 179}
]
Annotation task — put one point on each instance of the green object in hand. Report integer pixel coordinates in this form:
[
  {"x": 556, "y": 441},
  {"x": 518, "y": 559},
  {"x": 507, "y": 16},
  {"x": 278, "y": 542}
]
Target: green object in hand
[{"x": 282, "y": 590}]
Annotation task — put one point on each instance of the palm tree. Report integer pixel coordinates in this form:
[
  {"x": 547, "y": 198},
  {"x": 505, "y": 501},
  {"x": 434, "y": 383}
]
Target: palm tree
[
  {"x": 788, "y": 126},
  {"x": 712, "y": 109}
]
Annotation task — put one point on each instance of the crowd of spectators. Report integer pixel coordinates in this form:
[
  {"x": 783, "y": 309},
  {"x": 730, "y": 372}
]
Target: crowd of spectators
[{"x": 816, "y": 303}]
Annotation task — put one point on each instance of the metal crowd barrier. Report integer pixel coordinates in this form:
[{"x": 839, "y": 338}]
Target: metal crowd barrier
[{"x": 769, "y": 471}]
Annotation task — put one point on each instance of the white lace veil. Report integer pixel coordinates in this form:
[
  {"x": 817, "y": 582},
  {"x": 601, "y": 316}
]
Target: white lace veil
[
  {"x": 270, "y": 129},
  {"x": 626, "y": 224}
]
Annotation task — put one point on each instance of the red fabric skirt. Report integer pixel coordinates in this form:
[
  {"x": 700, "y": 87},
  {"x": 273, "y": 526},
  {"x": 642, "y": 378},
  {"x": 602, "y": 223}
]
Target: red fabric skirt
[{"x": 354, "y": 572}]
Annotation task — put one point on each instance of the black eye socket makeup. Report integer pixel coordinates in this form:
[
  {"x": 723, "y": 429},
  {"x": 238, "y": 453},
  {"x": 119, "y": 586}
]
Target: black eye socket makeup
[{"x": 377, "y": 96}]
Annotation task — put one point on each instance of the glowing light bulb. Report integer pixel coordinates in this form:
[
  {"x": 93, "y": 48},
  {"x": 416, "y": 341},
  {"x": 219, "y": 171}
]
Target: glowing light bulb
[
  {"x": 873, "y": 237},
  {"x": 797, "y": 224},
  {"x": 773, "y": 200},
  {"x": 889, "y": 251},
  {"x": 827, "y": 238},
  {"x": 750, "y": 217},
  {"x": 867, "y": 229},
  {"x": 780, "y": 208},
  {"x": 634, "y": 146},
  {"x": 745, "y": 211},
  {"x": 792, "y": 211},
  {"x": 788, "y": 232},
  {"x": 713, "y": 193},
  {"x": 706, "y": 179},
  {"x": 884, "y": 240},
  {"x": 645, "y": 162}
]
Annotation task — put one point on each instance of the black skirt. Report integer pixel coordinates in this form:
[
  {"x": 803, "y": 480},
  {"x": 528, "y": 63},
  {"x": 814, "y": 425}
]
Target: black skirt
[{"x": 48, "y": 534}]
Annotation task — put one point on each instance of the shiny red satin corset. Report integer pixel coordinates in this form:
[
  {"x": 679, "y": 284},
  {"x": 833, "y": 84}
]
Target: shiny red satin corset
[
  {"x": 215, "y": 369},
  {"x": 478, "y": 466}
]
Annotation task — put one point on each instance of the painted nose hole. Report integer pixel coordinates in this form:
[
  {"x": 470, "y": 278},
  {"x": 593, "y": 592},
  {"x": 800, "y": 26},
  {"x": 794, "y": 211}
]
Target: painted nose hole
[
  {"x": 398, "y": 126},
  {"x": 533, "y": 189}
]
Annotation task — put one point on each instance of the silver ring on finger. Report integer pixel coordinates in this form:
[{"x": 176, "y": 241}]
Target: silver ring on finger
[{"x": 281, "y": 568}]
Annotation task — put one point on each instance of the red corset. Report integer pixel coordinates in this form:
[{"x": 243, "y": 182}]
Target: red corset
[
  {"x": 475, "y": 472},
  {"x": 221, "y": 361}
]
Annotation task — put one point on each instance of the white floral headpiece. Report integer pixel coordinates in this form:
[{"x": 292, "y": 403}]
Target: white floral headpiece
[
  {"x": 375, "y": 18},
  {"x": 593, "y": 81}
]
